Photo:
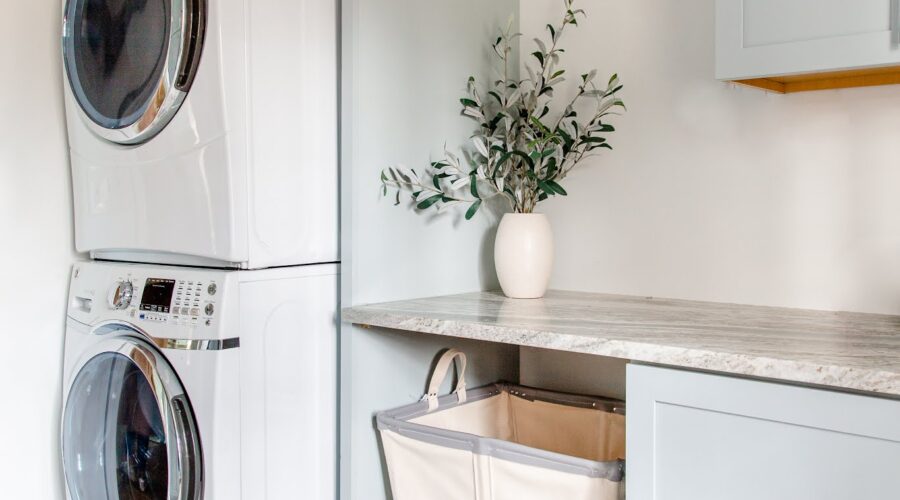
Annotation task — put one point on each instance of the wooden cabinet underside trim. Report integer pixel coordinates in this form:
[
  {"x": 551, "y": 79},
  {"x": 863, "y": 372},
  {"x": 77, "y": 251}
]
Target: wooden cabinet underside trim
[{"x": 831, "y": 80}]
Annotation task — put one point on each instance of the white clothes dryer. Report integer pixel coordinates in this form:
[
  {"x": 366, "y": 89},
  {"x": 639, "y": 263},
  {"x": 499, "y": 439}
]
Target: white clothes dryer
[
  {"x": 203, "y": 132},
  {"x": 189, "y": 384}
]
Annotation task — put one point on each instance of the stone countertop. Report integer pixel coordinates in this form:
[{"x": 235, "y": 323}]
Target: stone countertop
[{"x": 853, "y": 351}]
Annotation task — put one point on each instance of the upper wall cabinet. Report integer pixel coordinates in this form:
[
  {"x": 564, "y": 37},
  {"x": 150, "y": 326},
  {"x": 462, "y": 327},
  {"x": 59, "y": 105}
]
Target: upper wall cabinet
[{"x": 796, "y": 45}]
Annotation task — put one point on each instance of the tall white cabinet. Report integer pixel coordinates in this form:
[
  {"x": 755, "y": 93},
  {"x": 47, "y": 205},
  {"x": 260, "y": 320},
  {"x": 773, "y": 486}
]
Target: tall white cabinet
[
  {"x": 760, "y": 39},
  {"x": 698, "y": 436}
]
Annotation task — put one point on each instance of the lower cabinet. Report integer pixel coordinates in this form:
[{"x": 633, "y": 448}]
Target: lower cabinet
[{"x": 699, "y": 436}]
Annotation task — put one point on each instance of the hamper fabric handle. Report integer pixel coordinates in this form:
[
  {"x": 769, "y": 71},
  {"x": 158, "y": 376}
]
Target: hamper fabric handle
[{"x": 440, "y": 373}]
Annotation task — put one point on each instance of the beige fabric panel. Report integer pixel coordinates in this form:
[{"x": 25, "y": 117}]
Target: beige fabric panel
[
  {"x": 579, "y": 432},
  {"x": 514, "y": 481},
  {"x": 420, "y": 470},
  {"x": 486, "y": 418}
]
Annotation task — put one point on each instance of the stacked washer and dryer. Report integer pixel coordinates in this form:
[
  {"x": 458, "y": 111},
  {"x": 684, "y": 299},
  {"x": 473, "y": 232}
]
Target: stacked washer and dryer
[{"x": 201, "y": 344}]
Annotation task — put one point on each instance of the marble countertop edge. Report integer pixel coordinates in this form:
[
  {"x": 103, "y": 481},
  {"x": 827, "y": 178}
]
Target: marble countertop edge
[{"x": 795, "y": 371}]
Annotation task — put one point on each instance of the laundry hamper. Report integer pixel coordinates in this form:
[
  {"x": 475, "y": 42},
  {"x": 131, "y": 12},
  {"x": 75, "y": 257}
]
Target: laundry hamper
[{"x": 503, "y": 442}]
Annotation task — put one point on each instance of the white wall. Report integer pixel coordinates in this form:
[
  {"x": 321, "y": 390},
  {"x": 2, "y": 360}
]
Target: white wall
[
  {"x": 719, "y": 192},
  {"x": 405, "y": 67},
  {"x": 37, "y": 249}
]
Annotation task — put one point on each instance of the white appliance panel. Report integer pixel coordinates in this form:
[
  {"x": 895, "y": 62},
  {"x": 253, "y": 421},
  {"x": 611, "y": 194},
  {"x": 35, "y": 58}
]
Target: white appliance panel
[
  {"x": 265, "y": 407},
  {"x": 245, "y": 175}
]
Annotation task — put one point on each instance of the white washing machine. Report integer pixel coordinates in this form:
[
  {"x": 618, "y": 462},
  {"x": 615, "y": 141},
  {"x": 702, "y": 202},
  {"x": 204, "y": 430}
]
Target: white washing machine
[
  {"x": 188, "y": 384},
  {"x": 203, "y": 132}
]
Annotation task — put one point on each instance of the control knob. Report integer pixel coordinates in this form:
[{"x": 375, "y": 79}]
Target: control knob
[{"x": 121, "y": 295}]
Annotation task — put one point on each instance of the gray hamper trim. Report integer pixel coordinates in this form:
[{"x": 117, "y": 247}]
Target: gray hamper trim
[{"x": 397, "y": 420}]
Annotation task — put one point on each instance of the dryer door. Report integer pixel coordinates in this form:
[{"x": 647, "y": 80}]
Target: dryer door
[
  {"x": 128, "y": 431},
  {"x": 130, "y": 63}
]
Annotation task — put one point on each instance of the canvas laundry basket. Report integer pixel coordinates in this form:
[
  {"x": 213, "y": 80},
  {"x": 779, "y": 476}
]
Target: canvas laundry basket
[{"x": 503, "y": 442}]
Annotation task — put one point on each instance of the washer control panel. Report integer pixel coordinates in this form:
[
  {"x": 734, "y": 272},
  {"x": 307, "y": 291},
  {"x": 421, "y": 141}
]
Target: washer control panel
[
  {"x": 163, "y": 300},
  {"x": 180, "y": 301}
]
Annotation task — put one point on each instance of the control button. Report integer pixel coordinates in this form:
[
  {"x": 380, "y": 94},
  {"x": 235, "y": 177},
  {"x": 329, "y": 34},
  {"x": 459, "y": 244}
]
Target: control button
[
  {"x": 209, "y": 309},
  {"x": 120, "y": 296},
  {"x": 195, "y": 311},
  {"x": 212, "y": 289}
]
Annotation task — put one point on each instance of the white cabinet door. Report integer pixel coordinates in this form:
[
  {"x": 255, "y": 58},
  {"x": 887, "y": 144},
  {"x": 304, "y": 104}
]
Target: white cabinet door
[
  {"x": 696, "y": 436},
  {"x": 760, "y": 38}
]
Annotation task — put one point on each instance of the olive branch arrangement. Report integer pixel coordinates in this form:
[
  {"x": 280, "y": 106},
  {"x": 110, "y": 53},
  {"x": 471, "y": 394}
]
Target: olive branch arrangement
[{"x": 520, "y": 153}]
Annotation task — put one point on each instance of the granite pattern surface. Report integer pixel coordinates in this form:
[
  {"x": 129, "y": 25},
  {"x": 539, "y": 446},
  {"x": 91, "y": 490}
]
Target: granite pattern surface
[{"x": 853, "y": 351}]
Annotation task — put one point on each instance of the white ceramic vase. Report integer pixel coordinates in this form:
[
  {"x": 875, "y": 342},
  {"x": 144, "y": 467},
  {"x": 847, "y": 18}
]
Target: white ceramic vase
[{"x": 523, "y": 255}]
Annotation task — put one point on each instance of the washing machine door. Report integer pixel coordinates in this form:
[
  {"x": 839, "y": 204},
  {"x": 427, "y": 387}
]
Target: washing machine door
[
  {"x": 130, "y": 63},
  {"x": 128, "y": 431}
]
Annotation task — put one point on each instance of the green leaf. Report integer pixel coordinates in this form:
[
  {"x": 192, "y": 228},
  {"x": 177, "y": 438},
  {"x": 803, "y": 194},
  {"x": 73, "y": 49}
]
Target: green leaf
[
  {"x": 439, "y": 164},
  {"x": 542, "y": 197},
  {"x": 537, "y": 122},
  {"x": 551, "y": 168},
  {"x": 468, "y": 102},
  {"x": 524, "y": 156},
  {"x": 427, "y": 202},
  {"x": 613, "y": 78},
  {"x": 436, "y": 181},
  {"x": 472, "y": 209},
  {"x": 545, "y": 187},
  {"x": 552, "y": 31},
  {"x": 539, "y": 56},
  {"x": 557, "y": 74},
  {"x": 557, "y": 188},
  {"x": 496, "y": 96},
  {"x": 473, "y": 185}
]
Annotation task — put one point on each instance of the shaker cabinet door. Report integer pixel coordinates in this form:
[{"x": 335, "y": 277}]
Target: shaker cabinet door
[
  {"x": 760, "y": 38},
  {"x": 697, "y": 436}
]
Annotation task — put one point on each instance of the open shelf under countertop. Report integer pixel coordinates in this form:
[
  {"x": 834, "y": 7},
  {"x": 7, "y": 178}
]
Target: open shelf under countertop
[{"x": 851, "y": 351}]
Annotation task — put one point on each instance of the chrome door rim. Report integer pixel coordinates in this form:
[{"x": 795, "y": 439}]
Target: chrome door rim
[
  {"x": 168, "y": 95},
  {"x": 166, "y": 388}
]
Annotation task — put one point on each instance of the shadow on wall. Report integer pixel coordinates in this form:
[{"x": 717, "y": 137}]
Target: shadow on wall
[{"x": 487, "y": 274}]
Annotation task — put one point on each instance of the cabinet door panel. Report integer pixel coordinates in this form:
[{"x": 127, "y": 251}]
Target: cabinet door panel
[
  {"x": 768, "y": 22},
  {"x": 760, "y": 38},
  {"x": 708, "y": 437}
]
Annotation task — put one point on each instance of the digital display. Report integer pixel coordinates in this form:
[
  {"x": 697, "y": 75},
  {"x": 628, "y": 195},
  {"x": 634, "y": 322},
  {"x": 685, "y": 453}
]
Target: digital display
[{"x": 157, "y": 295}]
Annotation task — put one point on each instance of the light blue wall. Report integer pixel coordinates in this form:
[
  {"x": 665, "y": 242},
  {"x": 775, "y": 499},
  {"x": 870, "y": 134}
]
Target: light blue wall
[{"x": 405, "y": 66}]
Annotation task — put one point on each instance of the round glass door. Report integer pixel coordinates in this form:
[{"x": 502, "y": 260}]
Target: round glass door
[
  {"x": 130, "y": 63},
  {"x": 125, "y": 436}
]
